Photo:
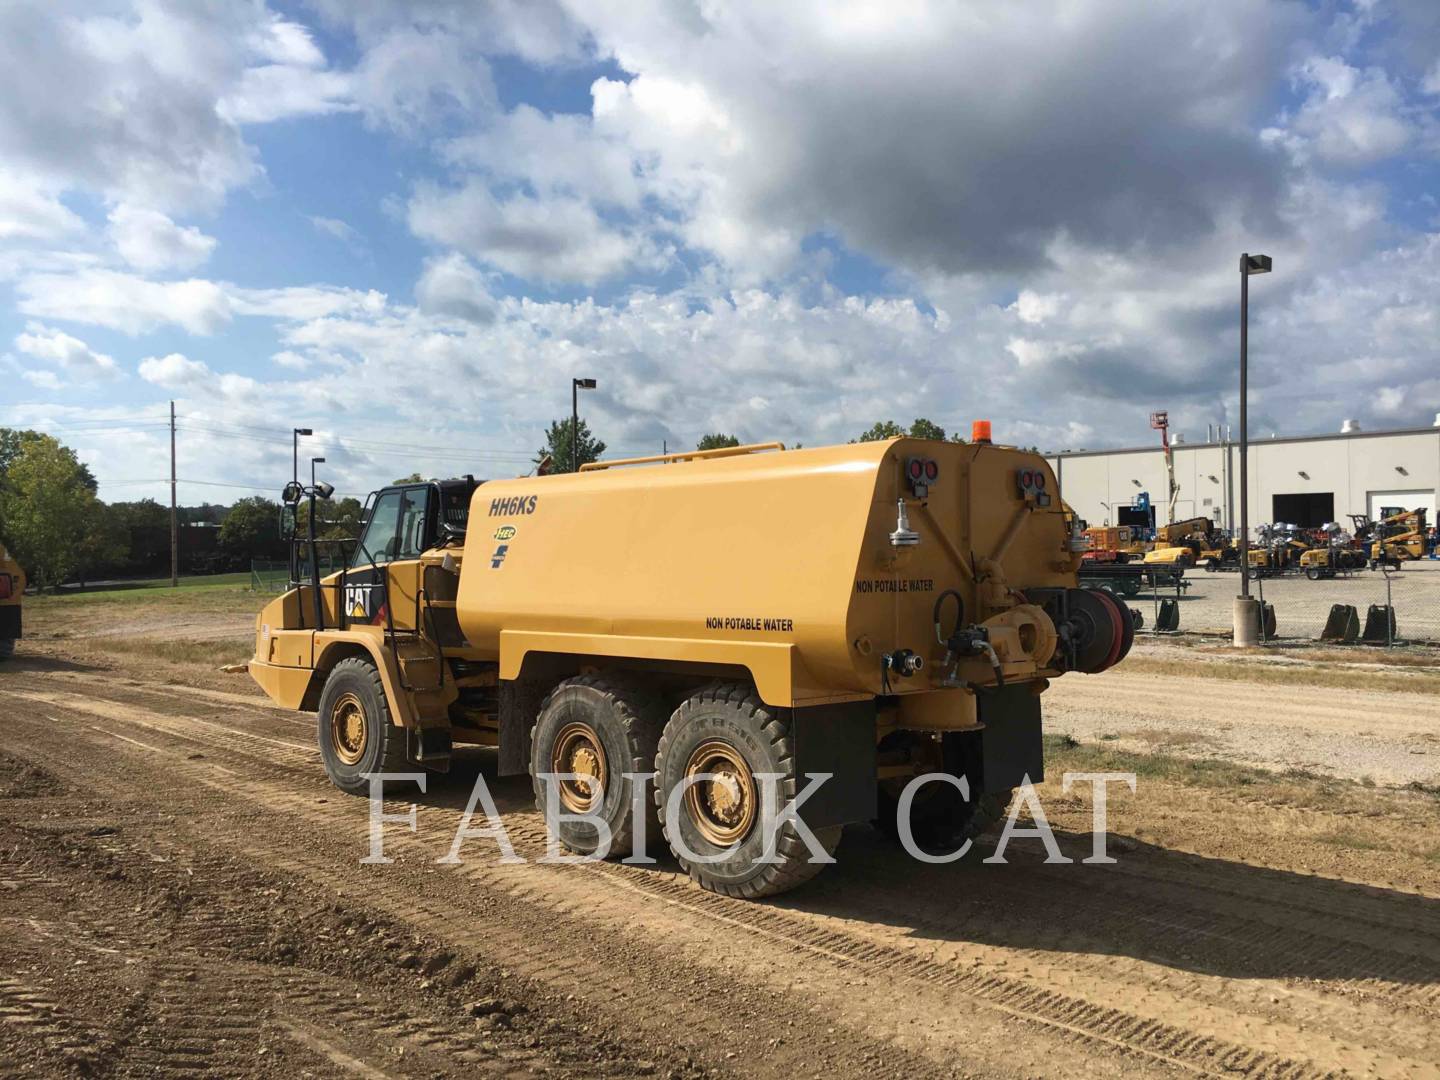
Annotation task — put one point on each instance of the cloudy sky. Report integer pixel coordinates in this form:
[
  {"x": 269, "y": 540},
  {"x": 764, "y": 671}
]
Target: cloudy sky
[{"x": 408, "y": 223}]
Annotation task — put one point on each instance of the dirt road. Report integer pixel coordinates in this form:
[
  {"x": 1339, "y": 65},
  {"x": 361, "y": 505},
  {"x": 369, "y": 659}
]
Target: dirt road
[
  {"x": 1379, "y": 732},
  {"x": 181, "y": 893}
]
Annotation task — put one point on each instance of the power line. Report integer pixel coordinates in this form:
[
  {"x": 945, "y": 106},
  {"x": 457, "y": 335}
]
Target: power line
[{"x": 450, "y": 449}]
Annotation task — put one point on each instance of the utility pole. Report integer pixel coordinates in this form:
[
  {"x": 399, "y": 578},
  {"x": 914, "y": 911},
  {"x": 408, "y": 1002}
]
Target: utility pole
[
  {"x": 1248, "y": 615},
  {"x": 174, "y": 514}
]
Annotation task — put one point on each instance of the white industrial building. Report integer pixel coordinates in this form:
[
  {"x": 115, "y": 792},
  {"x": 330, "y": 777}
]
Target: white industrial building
[{"x": 1305, "y": 481}]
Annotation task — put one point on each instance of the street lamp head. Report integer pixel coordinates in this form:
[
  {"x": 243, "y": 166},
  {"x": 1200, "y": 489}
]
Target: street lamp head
[
  {"x": 585, "y": 384},
  {"x": 303, "y": 431},
  {"x": 317, "y": 461},
  {"x": 1254, "y": 264}
]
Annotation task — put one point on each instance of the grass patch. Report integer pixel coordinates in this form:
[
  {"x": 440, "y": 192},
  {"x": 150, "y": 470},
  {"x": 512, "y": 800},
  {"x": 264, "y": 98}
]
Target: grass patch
[
  {"x": 1319, "y": 674},
  {"x": 1291, "y": 787},
  {"x": 210, "y": 653},
  {"x": 147, "y": 591}
]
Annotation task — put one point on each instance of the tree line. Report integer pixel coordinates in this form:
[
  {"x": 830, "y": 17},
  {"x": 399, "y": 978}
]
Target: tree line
[{"x": 53, "y": 522}]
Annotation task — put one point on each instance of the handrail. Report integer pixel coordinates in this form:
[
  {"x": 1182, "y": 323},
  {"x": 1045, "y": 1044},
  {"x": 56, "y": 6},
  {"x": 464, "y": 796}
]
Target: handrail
[{"x": 685, "y": 455}]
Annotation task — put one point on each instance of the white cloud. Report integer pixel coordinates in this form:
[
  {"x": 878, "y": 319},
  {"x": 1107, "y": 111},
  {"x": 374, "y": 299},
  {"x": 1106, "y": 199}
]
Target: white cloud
[
  {"x": 452, "y": 286},
  {"x": 1350, "y": 116},
  {"x": 280, "y": 91},
  {"x": 125, "y": 302},
  {"x": 174, "y": 371},
  {"x": 44, "y": 380},
  {"x": 336, "y": 230},
  {"x": 557, "y": 239},
  {"x": 148, "y": 240},
  {"x": 28, "y": 212},
  {"x": 64, "y": 351}
]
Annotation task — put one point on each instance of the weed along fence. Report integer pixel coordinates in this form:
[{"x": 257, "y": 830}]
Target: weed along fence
[{"x": 1376, "y": 607}]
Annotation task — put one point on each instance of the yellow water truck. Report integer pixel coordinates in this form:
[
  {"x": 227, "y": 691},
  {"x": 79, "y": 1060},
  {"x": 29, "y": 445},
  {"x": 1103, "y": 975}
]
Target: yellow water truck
[
  {"x": 872, "y": 611},
  {"x": 12, "y": 590}
]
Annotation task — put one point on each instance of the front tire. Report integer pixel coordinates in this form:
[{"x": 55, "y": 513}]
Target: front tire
[
  {"x": 598, "y": 728},
  {"x": 354, "y": 728},
  {"x": 727, "y": 732}
]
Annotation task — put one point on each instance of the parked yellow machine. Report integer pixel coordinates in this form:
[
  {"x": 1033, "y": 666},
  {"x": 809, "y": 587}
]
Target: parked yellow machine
[
  {"x": 873, "y": 611},
  {"x": 12, "y": 591},
  {"x": 1193, "y": 542}
]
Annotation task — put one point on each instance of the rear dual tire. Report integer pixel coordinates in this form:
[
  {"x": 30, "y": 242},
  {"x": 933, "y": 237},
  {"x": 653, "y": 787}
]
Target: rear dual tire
[
  {"x": 603, "y": 727},
  {"x": 726, "y": 731},
  {"x": 598, "y": 727}
]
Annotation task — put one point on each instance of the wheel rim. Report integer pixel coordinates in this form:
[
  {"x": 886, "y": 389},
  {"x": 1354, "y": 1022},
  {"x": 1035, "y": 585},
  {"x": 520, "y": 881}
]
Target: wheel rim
[
  {"x": 348, "y": 731},
  {"x": 577, "y": 750},
  {"x": 722, "y": 808}
]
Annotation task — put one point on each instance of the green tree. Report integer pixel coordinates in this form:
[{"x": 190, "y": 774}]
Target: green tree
[
  {"x": 413, "y": 478},
  {"x": 251, "y": 530},
  {"x": 879, "y": 431},
  {"x": 45, "y": 505},
  {"x": 557, "y": 447},
  {"x": 13, "y": 440},
  {"x": 716, "y": 441},
  {"x": 104, "y": 544},
  {"x": 924, "y": 429},
  {"x": 334, "y": 518}
]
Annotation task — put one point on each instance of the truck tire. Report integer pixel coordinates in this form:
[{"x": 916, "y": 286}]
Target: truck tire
[
  {"x": 726, "y": 730},
  {"x": 7, "y": 648},
  {"x": 354, "y": 728},
  {"x": 603, "y": 726}
]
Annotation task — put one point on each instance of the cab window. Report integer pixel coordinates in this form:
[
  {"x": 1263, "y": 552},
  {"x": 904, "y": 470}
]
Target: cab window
[
  {"x": 413, "y": 504},
  {"x": 379, "y": 540}
]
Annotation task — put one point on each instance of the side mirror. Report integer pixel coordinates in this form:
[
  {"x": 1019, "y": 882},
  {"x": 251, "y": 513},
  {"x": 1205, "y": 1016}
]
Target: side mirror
[
  {"x": 292, "y": 493},
  {"x": 287, "y": 522}
]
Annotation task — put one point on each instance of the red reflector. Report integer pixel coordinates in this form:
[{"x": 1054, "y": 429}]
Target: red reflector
[
  {"x": 1027, "y": 478},
  {"x": 932, "y": 470},
  {"x": 1039, "y": 481},
  {"x": 4, "y": 586},
  {"x": 915, "y": 468}
]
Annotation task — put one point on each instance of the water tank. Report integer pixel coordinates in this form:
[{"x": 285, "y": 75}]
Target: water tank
[{"x": 1350, "y": 427}]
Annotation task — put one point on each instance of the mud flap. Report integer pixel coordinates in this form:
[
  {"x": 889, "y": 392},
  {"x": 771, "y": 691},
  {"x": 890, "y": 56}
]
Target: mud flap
[
  {"x": 1010, "y": 744},
  {"x": 430, "y": 747},
  {"x": 840, "y": 740},
  {"x": 10, "y": 621},
  {"x": 519, "y": 705}
]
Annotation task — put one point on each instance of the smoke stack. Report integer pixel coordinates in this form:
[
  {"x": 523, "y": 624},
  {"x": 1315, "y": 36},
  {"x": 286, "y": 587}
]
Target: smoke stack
[{"x": 1349, "y": 427}]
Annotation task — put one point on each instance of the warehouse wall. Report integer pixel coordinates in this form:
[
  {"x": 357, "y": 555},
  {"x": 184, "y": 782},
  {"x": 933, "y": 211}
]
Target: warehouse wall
[{"x": 1355, "y": 469}]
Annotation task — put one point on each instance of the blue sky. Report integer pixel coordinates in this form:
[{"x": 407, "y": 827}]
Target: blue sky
[{"x": 408, "y": 225}]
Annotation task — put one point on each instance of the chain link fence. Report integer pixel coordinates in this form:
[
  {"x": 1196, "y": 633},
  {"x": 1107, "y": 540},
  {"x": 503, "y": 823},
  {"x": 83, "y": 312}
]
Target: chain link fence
[
  {"x": 268, "y": 575},
  {"x": 1377, "y": 607}
]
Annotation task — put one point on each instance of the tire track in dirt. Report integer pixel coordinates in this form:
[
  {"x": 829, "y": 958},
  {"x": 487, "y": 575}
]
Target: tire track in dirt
[
  {"x": 543, "y": 955},
  {"x": 1073, "y": 1016},
  {"x": 1068, "y": 1016}
]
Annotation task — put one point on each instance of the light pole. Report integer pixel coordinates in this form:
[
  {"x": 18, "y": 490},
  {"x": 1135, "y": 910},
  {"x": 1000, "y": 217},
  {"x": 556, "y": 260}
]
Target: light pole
[
  {"x": 313, "y": 462},
  {"x": 295, "y": 476},
  {"x": 576, "y": 385},
  {"x": 1247, "y": 611}
]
